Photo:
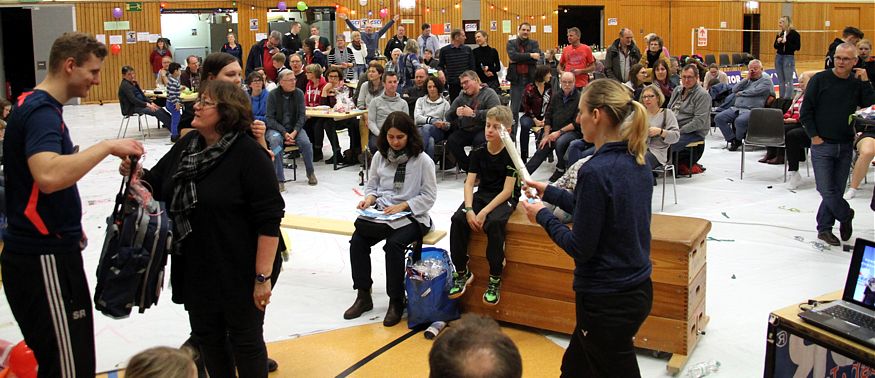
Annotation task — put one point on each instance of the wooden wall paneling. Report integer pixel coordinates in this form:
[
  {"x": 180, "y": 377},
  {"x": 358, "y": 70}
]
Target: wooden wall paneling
[
  {"x": 687, "y": 15},
  {"x": 811, "y": 16},
  {"x": 769, "y": 15},
  {"x": 733, "y": 14},
  {"x": 538, "y": 14}
]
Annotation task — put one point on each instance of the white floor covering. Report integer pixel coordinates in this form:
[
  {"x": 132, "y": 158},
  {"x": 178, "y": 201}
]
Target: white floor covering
[{"x": 757, "y": 264}]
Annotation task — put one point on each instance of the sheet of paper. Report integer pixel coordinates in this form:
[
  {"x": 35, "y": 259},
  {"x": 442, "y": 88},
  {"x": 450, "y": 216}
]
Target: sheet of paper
[
  {"x": 154, "y": 38},
  {"x": 115, "y": 40},
  {"x": 378, "y": 215},
  {"x": 260, "y": 36},
  {"x": 101, "y": 38},
  {"x": 143, "y": 37},
  {"x": 505, "y": 26}
]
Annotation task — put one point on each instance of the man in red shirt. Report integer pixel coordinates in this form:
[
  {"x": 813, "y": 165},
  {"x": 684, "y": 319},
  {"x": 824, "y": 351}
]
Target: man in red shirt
[{"x": 577, "y": 58}]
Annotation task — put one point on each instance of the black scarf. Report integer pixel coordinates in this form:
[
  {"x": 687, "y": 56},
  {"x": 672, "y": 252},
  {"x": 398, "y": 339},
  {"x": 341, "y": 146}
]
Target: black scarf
[{"x": 197, "y": 160}]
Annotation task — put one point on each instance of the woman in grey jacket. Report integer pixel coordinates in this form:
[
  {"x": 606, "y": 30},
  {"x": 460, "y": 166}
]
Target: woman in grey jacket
[
  {"x": 663, "y": 130},
  {"x": 429, "y": 115},
  {"x": 402, "y": 178}
]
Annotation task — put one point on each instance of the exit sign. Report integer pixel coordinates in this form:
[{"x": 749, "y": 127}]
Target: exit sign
[{"x": 134, "y": 7}]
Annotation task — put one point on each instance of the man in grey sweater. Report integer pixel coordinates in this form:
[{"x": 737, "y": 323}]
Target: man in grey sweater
[
  {"x": 467, "y": 114},
  {"x": 691, "y": 105},
  {"x": 381, "y": 106},
  {"x": 284, "y": 118},
  {"x": 749, "y": 93}
]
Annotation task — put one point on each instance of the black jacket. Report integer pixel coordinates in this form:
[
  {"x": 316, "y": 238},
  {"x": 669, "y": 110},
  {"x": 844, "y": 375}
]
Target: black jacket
[
  {"x": 130, "y": 97},
  {"x": 792, "y": 45},
  {"x": 517, "y": 57},
  {"x": 395, "y": 43},
  {"x": 612, "y": 59},
  {"x": 255, "y": 58}
]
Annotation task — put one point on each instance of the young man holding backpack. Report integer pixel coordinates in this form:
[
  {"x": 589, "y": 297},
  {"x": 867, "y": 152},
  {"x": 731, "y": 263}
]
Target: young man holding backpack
[{"x": 42, "y": 269}]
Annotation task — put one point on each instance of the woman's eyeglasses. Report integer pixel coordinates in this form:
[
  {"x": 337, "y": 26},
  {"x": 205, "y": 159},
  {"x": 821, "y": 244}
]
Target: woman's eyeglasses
[{"x": 203, "y": 103}]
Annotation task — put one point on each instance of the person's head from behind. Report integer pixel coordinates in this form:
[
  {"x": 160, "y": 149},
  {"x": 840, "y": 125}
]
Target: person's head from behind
[
  {"x": 390, "y": 83},
  {"x": 399, "y": 133},
  {"x": 222, "y": 66},
  {"x": 174, "y": 69},
  {"x": 287, "y": 81},
  {"x": 162, "y": 362},
  {"x": 222, "y": 107},
  {"x": 474, "y": 347},
  {"x": 278, "y": 60},
  {"x": 496, "y": 118},
  {"x": 607, "y": 113},
  {"x": 412, "y": 47},
  {"x": 77, "y": 58},
  {"x": 851, "y": 35}
]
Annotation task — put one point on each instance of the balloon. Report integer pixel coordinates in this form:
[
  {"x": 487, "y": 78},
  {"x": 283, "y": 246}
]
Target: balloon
[
  {"x": 343, "y": 10},
  {"x": 117, "y": 13},
  {"x": 282, "y": 6},
  {"x": 384, "y": 12},
  {"x": 115, "y": 49},
  {"x": 22, "y": 362},
  {"x": 302, "y": 6}
]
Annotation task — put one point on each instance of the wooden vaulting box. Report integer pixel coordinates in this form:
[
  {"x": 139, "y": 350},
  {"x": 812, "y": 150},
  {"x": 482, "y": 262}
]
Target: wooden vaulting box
[{"x": 536, "y": 288}]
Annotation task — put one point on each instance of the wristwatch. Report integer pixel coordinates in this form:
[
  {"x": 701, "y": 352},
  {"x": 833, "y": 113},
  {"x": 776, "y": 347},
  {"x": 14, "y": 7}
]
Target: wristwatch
[
  {"x": 261, "y": 278},
  {"x": 467, "y": 209}
]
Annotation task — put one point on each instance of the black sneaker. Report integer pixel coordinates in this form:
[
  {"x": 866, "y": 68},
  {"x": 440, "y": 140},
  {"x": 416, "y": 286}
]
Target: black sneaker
[
  {"x": 829, "y": 238},
  {"x": 846, "y": 228},
  {"x": 333, "y": 160},
  {"x": 174, "y": 138},
  {"x": 272, "y": 365}
]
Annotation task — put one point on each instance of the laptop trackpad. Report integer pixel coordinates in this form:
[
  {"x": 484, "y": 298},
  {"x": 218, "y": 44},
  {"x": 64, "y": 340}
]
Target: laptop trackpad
[{"x": 841, "y": 324}]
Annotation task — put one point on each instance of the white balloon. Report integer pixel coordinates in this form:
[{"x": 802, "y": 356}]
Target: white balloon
[{"x": 363, "y": 2}]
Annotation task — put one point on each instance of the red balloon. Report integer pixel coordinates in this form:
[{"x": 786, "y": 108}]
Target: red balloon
[
  {"x": 343, "y": 10},
  {"x": 22, "y": 362},
  {"x": 115, "y": 49}
]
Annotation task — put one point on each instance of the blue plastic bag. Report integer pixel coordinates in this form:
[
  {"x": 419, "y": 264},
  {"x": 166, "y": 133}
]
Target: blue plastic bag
[{"x": 427, "y": 299}]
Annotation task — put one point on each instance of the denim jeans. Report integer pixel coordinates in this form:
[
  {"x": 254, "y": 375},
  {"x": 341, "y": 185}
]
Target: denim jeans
[
  {"x": 431, "y": 135},
  {"x": 174, "y": 118},
  {"x": 738, "y": 118},
  {"x": 275, "y": 142},
  {"x": 832, "y": 165},
  {"x": 359, "y": 70},
  {"x": 577, "y": 150},
  {"x": 785, "y": 67},
  {"x": 561, "y": 145},
  {"x": 516, "y": 96},
  {"x": 526, "y": 124}
]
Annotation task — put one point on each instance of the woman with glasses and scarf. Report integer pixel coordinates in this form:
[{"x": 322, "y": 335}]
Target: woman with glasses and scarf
[
  {"x": 222, "y": 196},
  {"x": 402, "y": 178}
]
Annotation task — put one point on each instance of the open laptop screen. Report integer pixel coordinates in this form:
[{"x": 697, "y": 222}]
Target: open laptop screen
[{"x": 860, "y": 286}]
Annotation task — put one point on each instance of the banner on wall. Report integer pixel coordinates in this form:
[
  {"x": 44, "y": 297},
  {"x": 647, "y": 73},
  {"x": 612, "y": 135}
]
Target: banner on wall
[
  {"x": 253, "y": 24},
  {"x": 702, "y": 37}
]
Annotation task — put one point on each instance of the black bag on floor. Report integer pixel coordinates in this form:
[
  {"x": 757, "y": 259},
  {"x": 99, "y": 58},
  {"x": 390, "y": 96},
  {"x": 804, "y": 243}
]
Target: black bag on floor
[{"x": 131, "y": 268}]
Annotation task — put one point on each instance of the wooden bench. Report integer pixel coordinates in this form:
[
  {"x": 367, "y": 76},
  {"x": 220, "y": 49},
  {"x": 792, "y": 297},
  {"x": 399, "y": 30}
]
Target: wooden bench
[
  {"x": 341, "y": 227},
  {"x": 536, "y": 287}
]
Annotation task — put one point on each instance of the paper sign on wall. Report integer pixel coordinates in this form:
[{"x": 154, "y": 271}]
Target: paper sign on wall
[
  {"x": 722, "y": 24},
  {"x": 493, "y": 25},
  {"x": 548, "y": 28},
  {"x": 154, "y": 38},
  {"x": 260, "y": 36},
  {"x": 702, "y": 36},
  {"x": 448, "y": 27},
  {"x": 471, "y": 27},
  {"x": 143, "y": 37},
  {"x": 437, "y": 29},
  {"x": 444, "y": 39},
  {"x": 115, "y": 40},
  {"x": 505, "y": 26},
  {"x": 101, "y": 38},
  {"x": 405, "y": 21},
  {"x": 131, "y": 37},
  {"x": 612, "y": 22},
  {"x": 534, "y": 28},
  {"x": 253, "y": 24}
]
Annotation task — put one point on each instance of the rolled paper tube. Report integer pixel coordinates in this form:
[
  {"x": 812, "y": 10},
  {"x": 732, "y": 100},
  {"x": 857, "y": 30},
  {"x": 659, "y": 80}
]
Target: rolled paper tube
[{"x": 517, "y": 160}]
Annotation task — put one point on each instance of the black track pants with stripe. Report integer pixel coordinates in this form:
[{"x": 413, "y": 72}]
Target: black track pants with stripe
[{"x": 49, "y": 297}]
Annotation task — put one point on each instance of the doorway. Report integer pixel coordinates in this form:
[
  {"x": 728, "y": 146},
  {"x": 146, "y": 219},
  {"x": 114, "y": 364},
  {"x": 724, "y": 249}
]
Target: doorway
[
  {"x": 590, "y": 21},
  {"x": 322, "y": 17},
  {"x": 751, "y": 39},
  {"x": 197, "y": 32},
  {"x": 17, "y": 50}
]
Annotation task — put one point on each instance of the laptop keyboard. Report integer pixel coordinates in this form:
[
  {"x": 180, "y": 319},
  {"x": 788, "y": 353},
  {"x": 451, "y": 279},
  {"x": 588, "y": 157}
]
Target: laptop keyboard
[{"x": 851, "y": 316}]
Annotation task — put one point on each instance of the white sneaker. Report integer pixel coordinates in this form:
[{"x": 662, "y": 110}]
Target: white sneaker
[
  {"x": 851, "y": 193},
  {"x": 794, "y": 180}
]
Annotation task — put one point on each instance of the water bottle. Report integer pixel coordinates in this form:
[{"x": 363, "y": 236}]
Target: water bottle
[
  {"x": 434, "y": 329},
  {"x": 703, "y": 368}
]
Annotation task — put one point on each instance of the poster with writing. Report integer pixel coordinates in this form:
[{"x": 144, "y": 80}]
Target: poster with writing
[
  {"x": 505, "y": 26},
  {"x": 131, "y": 37},
  {"x": 493, "y": 25},
  {"x": 253, "y": 24},
  {"x": 115, "y": 40},
  {"x": 101, "y": 38},
  {"x": 143, "y": 37}
]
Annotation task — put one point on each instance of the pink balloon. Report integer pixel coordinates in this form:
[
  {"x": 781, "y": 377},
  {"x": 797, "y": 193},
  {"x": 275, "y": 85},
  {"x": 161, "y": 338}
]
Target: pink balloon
[
  {"x": 384, "y": 12},
  {"x": 117, "y": 13},
  {"x": 282, "y": 6}
]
